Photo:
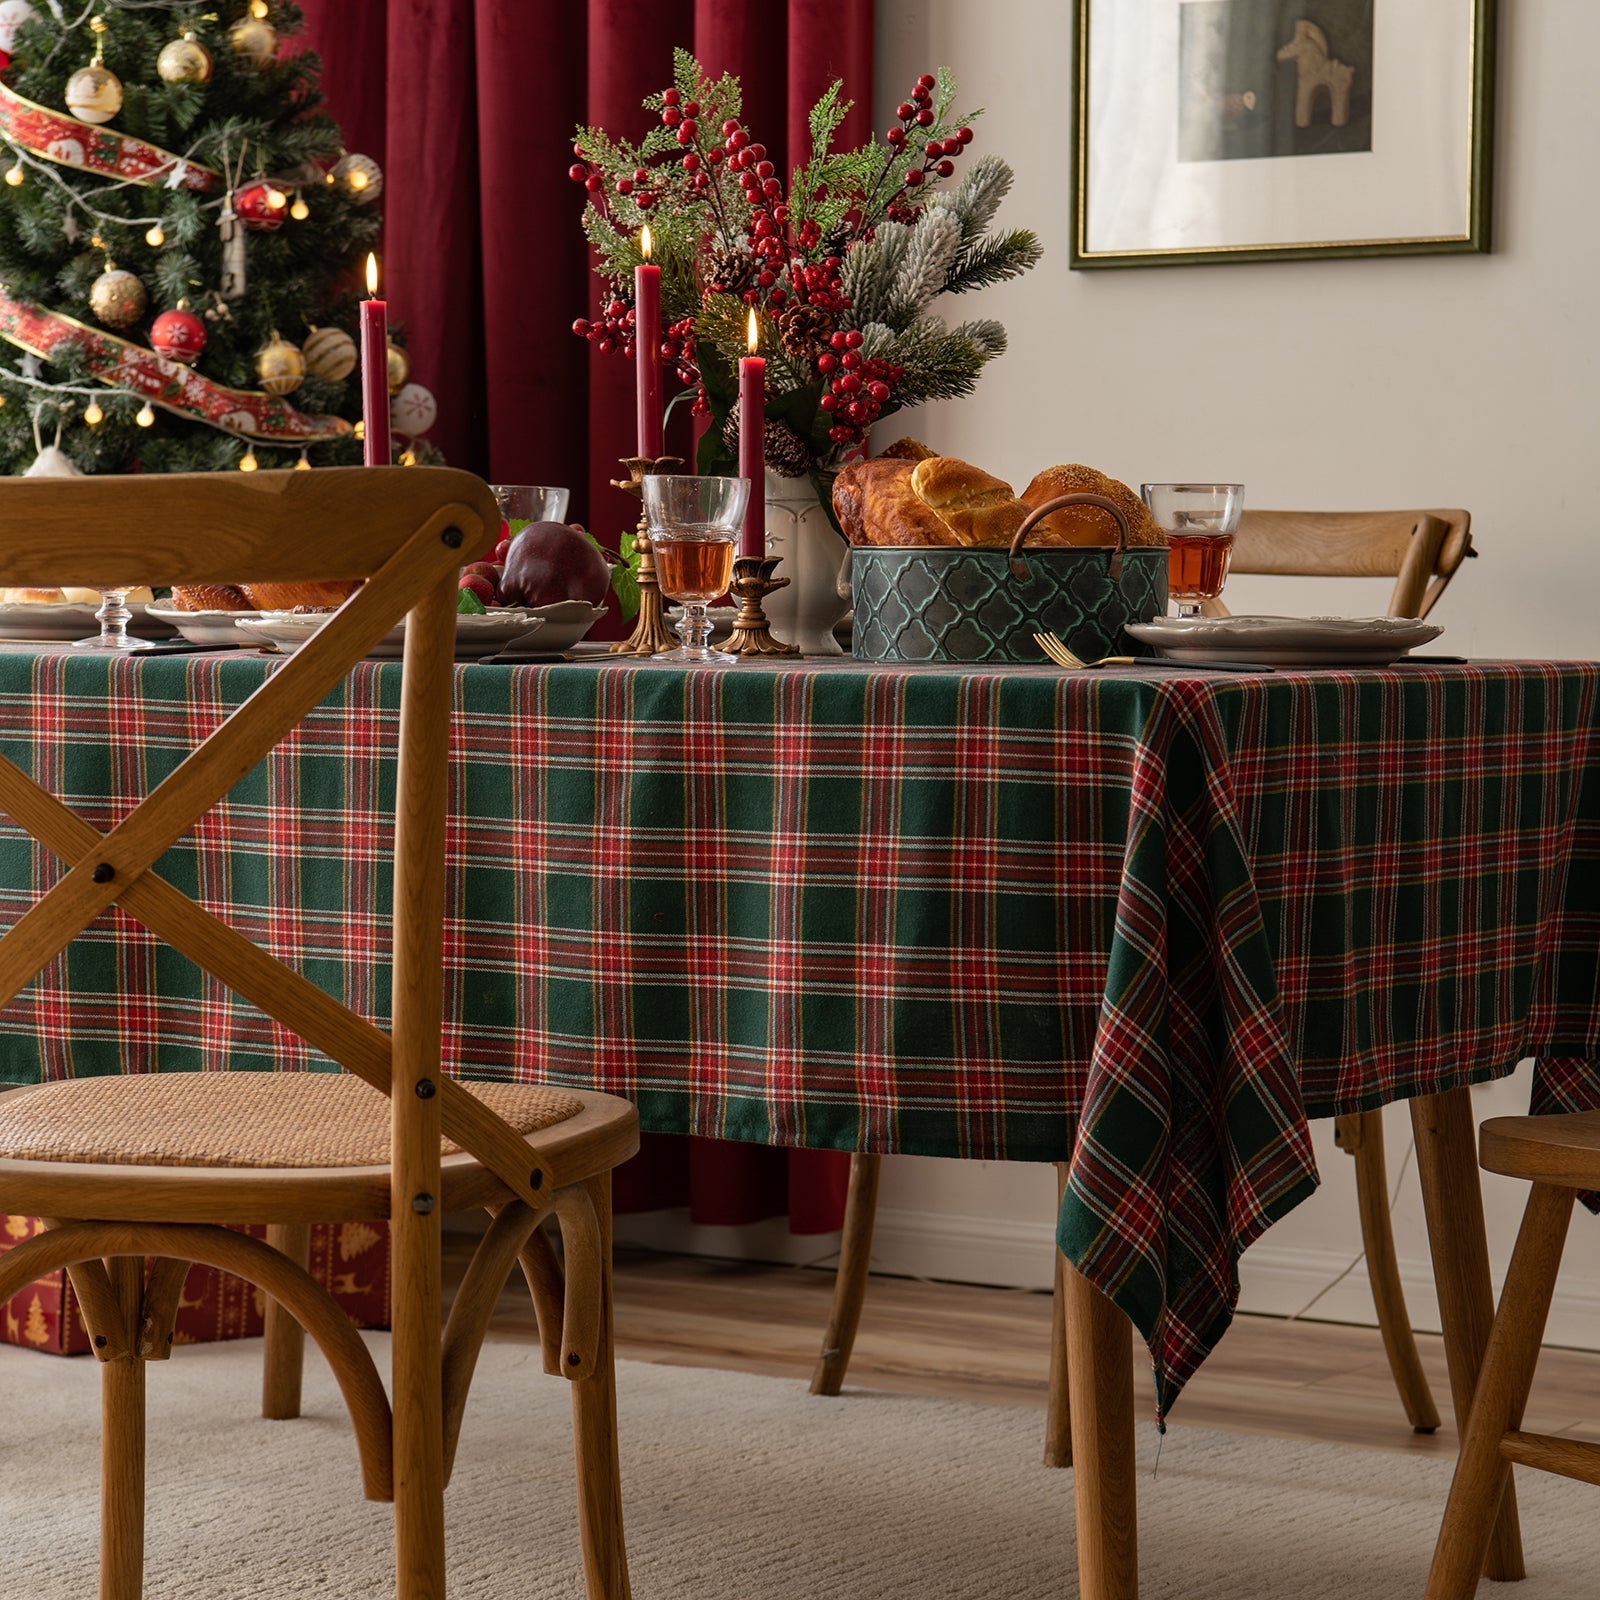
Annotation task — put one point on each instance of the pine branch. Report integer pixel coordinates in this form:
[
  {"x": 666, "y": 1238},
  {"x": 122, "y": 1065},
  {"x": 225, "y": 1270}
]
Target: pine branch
[
  {"x": 993, "y": 260},
  {"x": 935, "y": 240},
  {"x": 977, "y": 197},
  {"x": 870, "y": 270}
]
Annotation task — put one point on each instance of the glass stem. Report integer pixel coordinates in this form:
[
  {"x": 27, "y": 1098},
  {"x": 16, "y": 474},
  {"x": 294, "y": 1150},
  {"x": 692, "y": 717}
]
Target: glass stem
[
  {"x": 694, "y": 627},
  {"x": 114, "y": 617}
]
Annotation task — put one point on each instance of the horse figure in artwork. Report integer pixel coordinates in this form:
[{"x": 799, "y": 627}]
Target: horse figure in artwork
[{"x": 1317, "y": 70}]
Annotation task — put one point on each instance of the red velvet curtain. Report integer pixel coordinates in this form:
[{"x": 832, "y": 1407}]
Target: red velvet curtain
[{"x": 469, "y": 106}]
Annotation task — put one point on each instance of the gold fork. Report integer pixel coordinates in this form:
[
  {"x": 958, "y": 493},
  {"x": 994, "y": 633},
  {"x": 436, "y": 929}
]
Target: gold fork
[{"x": 1064, "y": 658}]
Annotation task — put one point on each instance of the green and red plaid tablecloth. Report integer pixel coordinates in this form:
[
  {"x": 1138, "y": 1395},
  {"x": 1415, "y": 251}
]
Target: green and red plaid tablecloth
[{"x": 1144, "y": 922}]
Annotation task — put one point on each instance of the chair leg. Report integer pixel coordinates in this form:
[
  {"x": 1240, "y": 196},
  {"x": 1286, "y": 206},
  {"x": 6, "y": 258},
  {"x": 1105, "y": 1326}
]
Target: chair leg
[
  {"x": 1452, "y": 1198},
  {"x": 594, "y": 1430},
  {"x": 283, "y": 1348},
  {"x": 1058, "y": 1406},
  {"x": 850, "y": 1280},
  {"x": 1482, "y": 1473},
  {"x": 122, "y": 1447},
  {"x": 1361, "y": 1136},
  {"x": 418, "y": 1390}
]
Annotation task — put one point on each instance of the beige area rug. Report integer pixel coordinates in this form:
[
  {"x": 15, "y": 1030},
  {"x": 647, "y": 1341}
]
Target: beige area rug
[{"x": 736, "y": 1488}]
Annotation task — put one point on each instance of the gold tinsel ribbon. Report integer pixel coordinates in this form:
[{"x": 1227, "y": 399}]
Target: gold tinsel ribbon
[
  {"x": 69, "y": 143},
  {"x": 164, "y": 383}
]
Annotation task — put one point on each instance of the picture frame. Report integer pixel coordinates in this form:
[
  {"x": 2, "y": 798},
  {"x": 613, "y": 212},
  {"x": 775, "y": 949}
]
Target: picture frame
[{"x": 1209, "y": 131}]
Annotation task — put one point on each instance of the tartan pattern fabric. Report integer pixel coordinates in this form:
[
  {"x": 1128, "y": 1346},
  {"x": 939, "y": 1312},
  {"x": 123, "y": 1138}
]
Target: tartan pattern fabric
[{"x": 1148, "y": 923}]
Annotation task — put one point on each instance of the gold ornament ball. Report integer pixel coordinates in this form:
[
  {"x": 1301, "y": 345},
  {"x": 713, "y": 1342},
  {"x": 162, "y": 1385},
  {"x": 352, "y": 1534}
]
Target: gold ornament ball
[
  {"x": 360, "y": 177},
  {"x": 118, "y": 298},
  {"x": 94, "y": 94},
  {"x": 256, "y": 41},
  {"x": 330, "y": 353},
  {"x": 184, "y": 61},
  {"x": 280, "y": 367},
  {"x": 399, "y": 369}
]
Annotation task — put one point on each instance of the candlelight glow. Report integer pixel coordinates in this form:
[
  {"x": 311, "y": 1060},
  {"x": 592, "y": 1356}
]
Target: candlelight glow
[
  {"x": 753, "y": 331},
  {"x": 372, "y": 273},
  {"x": 644, "y": 241}
]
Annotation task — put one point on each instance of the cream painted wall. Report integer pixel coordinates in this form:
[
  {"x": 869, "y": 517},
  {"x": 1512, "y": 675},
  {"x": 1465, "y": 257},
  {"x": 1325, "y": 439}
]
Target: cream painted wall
[{"x": 1467, "y": 380}]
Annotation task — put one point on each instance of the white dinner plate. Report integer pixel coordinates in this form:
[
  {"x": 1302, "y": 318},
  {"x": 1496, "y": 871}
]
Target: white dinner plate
[
  {"x": 1286, "y": 641},
  {"x": 52, "y": 624},
  {"x": 476, "y": 635},
  {"x": 564, "y": 623},
  {"x": 213, "y": 629}
]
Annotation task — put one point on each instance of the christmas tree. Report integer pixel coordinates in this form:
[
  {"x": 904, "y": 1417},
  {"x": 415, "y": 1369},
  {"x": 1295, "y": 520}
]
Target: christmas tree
[{"x": 181, "y": 234}]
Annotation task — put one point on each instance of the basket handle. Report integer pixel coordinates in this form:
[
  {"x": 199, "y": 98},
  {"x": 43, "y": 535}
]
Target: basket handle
[{"x": 1019, "y": 567}]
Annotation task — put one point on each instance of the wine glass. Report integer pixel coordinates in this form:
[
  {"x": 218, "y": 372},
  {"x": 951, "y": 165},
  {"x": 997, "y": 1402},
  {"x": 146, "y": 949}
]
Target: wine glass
[
  {"x": 1199, "y": 520},
  {"x": 530, "y": 502},
  {"x": 693, "y": 525},
  {"x": 113, "y": 617}
]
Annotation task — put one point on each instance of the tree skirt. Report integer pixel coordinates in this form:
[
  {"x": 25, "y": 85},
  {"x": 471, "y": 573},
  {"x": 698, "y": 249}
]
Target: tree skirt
[{"x": 735, "y": 1488}]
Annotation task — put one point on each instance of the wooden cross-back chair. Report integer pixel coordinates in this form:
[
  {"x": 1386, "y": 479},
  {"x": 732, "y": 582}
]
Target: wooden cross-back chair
[
  {"x": 1421, "y": 551},
  {"x": 154, "y": 1164}
]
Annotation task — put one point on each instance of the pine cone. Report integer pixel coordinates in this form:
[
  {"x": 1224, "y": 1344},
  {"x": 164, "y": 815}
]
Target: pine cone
[
  {"x": 730, "y": 271},
  {"x": 782, "y": 448},
  {"x": 838, "y": 240},
  {"x": 803, "y": 331}
]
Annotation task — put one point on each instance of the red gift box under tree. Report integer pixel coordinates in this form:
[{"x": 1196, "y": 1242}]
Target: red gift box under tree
[{"x": 349, "y": 1259}]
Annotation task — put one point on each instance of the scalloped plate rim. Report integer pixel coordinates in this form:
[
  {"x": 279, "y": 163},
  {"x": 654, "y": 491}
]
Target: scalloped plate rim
[{"x": 1286, "y": 641}]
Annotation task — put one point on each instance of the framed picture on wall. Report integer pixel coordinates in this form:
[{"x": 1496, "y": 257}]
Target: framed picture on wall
[{"x": 1254, "y": 130}]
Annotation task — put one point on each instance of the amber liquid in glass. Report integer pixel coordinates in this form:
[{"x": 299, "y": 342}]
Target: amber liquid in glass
[
  {"x": 1197, "y": 564},
  {"x": 694, "y": 570}
]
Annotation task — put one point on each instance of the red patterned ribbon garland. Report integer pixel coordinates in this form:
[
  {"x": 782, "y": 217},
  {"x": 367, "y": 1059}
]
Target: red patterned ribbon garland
[
  {"x": 70, "y": 143},
  {"x": 164, "y": 383}
]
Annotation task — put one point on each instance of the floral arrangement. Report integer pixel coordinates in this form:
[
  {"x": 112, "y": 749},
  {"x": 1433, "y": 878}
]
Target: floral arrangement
[{"x": 841, "y": 266}]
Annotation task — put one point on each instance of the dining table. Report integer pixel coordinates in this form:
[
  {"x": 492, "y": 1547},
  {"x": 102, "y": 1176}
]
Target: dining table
[{"x": 1144, "y": 922}]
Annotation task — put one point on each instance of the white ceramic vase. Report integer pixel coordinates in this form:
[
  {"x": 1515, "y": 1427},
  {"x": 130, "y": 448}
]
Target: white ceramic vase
[{"x": 814, "y": 602}]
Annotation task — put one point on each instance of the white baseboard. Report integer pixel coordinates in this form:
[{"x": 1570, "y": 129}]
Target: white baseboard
[{"x": 1275, "y": 1280}]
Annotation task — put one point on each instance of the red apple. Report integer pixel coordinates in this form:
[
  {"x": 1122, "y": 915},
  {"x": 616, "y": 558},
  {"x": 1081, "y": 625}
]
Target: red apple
[{"x": 549, "y": 561}]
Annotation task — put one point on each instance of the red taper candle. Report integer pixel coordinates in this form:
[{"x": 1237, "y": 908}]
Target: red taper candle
[
  {"x": 752, "y": 440},
  {"x": 647, "y": 352},
  {"x": 375, "y": 371}
]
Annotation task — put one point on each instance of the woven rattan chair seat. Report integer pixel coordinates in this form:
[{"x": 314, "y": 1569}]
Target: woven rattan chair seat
[{"x": 233, "y": 1119}]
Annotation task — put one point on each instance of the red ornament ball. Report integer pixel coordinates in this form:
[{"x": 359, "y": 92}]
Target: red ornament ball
[
  {"x": 179, "y": 336},
  {"x": 261, "y": 206}
]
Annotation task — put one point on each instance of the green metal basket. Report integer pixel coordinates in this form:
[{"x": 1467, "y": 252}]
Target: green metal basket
[{"x": 974, "y": 604}]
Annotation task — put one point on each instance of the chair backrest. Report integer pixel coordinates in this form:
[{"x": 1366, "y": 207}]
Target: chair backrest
[
  {"x": 405, "y": 532},
  {"x": 1420, "y": 550}
]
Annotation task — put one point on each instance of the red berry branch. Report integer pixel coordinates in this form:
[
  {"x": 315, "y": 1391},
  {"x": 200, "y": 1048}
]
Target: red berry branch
[{"x": 729, "y": 228}]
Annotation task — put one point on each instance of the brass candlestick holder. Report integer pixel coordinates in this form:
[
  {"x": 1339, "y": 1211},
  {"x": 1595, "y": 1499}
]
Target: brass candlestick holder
[
  {"x": 650, "y": 633},
  {"x": 752, "y": 633}
]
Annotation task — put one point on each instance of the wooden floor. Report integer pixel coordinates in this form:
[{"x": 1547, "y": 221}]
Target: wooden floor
[{"x": 1298, "y": 1380}]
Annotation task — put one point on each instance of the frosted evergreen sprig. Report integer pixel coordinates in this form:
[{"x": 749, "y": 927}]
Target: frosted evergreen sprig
[{"x": 935, "y": 241}]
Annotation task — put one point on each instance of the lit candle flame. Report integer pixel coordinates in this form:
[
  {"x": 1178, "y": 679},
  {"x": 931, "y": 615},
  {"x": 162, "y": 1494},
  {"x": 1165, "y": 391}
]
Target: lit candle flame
[
  {"x": 372, "y": 273},
  {"x": 753, "y": 332},
  {"x": 644, "y": 241}
]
